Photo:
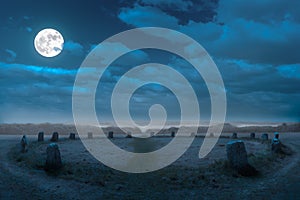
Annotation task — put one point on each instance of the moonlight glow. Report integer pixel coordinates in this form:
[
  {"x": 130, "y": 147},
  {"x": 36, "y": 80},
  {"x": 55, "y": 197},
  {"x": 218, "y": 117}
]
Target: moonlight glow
[{"x": 49, "y": 42}]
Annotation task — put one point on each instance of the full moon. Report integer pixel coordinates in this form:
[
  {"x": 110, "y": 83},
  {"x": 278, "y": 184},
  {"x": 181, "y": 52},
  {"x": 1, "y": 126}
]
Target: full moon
[{"x": 49, "y": 42}]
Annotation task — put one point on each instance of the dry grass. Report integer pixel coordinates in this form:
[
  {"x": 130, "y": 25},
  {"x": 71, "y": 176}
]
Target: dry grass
[{"x": 161, "y": 183}]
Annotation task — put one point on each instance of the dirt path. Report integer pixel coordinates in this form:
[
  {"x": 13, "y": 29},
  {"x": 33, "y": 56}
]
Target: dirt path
[
  {"x": 288, "y": 186},
  {"x": 284, "y": 183}
]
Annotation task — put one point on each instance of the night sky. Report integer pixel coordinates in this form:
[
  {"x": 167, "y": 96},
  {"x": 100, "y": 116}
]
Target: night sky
[{"x": 254, "y": 43}]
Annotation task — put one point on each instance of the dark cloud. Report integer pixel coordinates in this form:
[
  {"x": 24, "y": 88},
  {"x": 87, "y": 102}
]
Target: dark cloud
[
  {"x": 267, "y": 11},
  {"x": 169, "y": 14},
  {"x": 140, "y": 16},
  {"x": 241, "y": 77},
  {"x": 33, "y": 87},
  {"x": 186, "y": 10},
  {"x": 236, "y": 32},
  {"x": 73, "y": 48},
  {"x": 290, "y": 71},
  {"x": 175, "y": 5},
  {"x": 259, "y": 43},
  {"x": 263, "y": 106},
  {"x": 260, "y": 91}
]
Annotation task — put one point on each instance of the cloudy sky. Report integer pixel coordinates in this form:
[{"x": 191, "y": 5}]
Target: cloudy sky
[{"x": 255, "y": 45}]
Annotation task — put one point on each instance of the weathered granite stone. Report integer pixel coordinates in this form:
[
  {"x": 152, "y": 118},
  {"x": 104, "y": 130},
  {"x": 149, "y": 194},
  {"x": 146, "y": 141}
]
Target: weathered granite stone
[
  {"x": 234, "y": 136},
  {"x": 110, "y": 134},
  {"x": 276, "y": 145},
  {"x": 128, "y": 135},
  {"x": 24, "y": 144},
  {"x": 265, "y": 136},
  {"x": 53, "y": 160},
  {"x": 41, "y": 137},
  {"x": 236, "y": 153},
  {"x": 72, "y": 136},
  {"x": 173, "y": 134},
  {"x": 90, "y": 135},
  {"x": 211, "y": 135},
  {"x": 54, "y": 137},
  {"x": 237, "y": 157}
]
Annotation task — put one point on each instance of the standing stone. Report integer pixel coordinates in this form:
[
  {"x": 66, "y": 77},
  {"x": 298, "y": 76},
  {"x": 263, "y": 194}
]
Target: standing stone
[
  {"x": 276, "y": 136},
  {"x": 265, "y": 136},
  {"x": 276, "y": 145},
  {"x": 41, "y": 137},
  {"x": 211, "y": 135},
  {"x": 193, "y": 134},
  {"x": 234, "y": 136},
  {"x": 53, "y": 160},
  {"x": 110, "y": 134},
  {"x": 90, "y": 135},
  {"x": 173, "y": 134},
  {"x": 129, "y": 135},
  {"x": 237, "y": 157},
  {"x": 152, "y": 134},
  {"x": 252, "y": 135},
  {"x": 236, "y": 153},
  {"x": 54, "y": 137},
  {"x": 72, "y": 136},
  {"x": 24, "y": 144}
]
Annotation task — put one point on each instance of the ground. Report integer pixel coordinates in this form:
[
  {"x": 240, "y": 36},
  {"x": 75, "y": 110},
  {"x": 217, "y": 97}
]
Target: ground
[{"x": 83, "y": 177}]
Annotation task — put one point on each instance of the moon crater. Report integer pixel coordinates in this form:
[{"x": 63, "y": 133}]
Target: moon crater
[{"x": 49, "y": 42}]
